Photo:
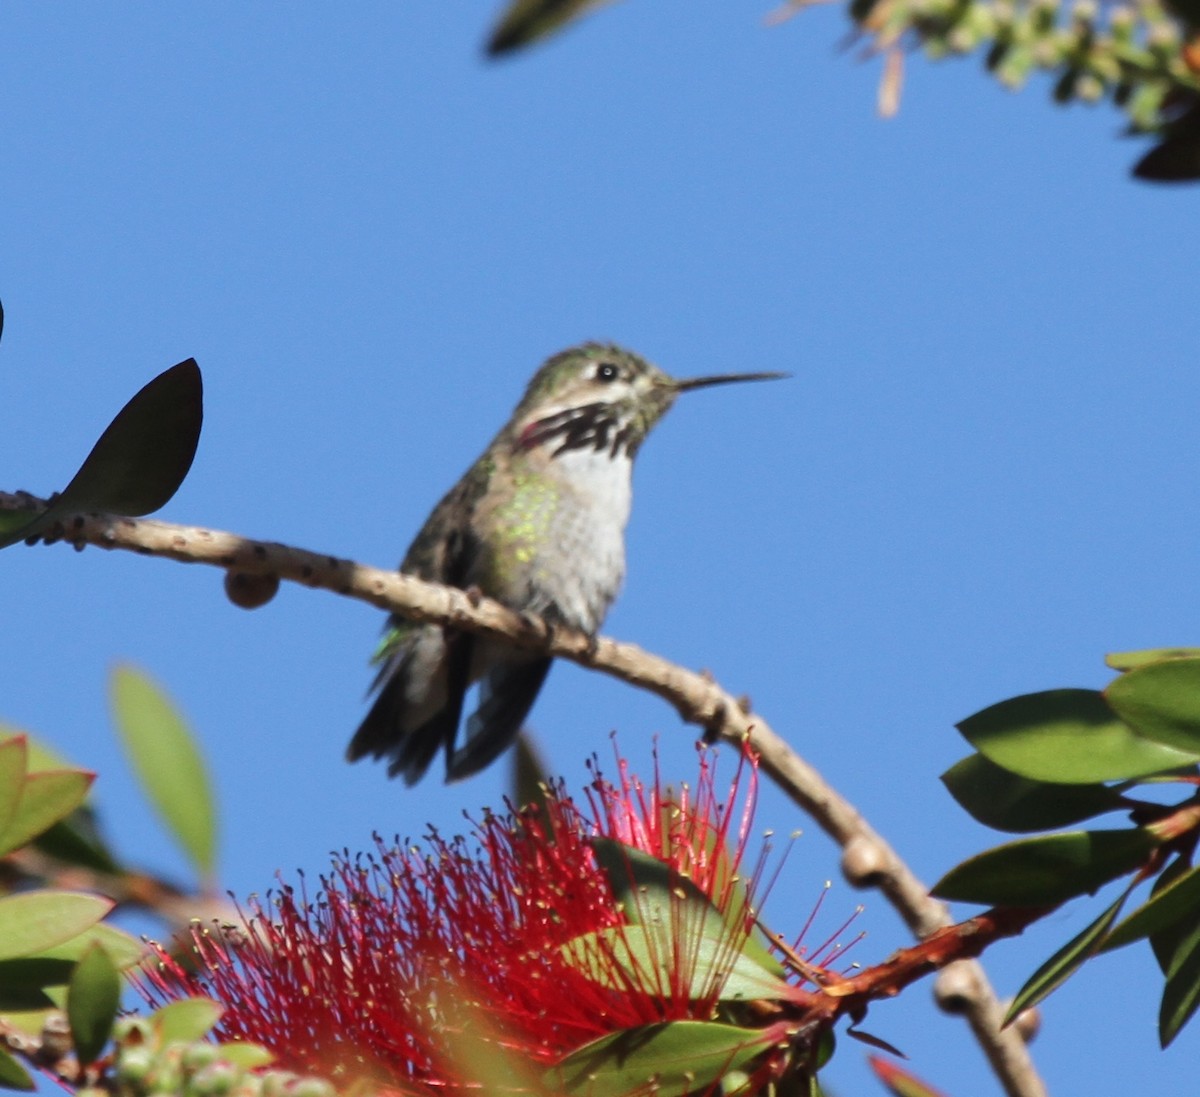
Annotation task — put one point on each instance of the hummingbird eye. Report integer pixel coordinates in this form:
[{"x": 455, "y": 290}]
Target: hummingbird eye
[{"x": 606, "y": 371}]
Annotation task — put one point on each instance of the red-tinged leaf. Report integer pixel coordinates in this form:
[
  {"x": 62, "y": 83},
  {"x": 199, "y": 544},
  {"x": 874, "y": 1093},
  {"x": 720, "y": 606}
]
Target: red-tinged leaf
[
  {"x": 1175, "y": 902},
  {"x": 1066, "y": 961},
  {"x": 1129, "y": 660},
  {"x": 93, "y": 996},
  {"x": 77, "y": 839},
  {"x": 168, "y": 763},
  {"x": 12, "y": 1074},
  {"x": 35, "y": 921},
  {"x": 40, "y": 756},
  {"x": 47, "y": 798},
  {"x": 673, "y": 1059},
  {"x": 1067, "y": 736},
  {"x": 903, "y": 1083},
  {"x": 1161, "y": 701},
  {"x": 1047, "y": 870},
  {"x": 1002, "y": 800}
]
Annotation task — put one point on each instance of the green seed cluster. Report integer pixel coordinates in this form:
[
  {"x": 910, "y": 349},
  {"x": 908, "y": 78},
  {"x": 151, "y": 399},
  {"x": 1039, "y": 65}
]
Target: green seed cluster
[
  {"x": 200, "y": 1069},
  {"x": 1129, "y": 52}
]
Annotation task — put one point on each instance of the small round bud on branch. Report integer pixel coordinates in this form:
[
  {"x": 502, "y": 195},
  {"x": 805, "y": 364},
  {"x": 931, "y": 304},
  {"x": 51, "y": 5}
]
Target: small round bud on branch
[
  {"x": 955, "y": 990},
  {"x": 1028, "y": 1024},
  {"x": 863, "y": 863},
  {"x": 250, "y": 591}
]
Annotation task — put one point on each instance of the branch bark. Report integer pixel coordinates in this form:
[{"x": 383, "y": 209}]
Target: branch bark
[{"x": 867, "y": 859}]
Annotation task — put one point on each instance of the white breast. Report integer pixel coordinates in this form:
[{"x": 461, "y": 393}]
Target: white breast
[{"x": 584, "y": 572}]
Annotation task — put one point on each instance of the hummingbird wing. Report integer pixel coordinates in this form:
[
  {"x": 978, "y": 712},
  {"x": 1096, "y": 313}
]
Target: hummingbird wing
[
  {"x": 425, "y": 668},
  {"x": 506, "y": 694}
]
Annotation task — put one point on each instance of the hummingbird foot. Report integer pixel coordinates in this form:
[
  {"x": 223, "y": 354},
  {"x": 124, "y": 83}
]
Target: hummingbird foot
[
  {"x": 535, "y": 621},
  {"x": 712, "y": 727}
]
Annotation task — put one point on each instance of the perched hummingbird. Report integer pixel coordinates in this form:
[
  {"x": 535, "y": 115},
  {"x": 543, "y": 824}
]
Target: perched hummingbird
[{"x": 538, "y": 523}]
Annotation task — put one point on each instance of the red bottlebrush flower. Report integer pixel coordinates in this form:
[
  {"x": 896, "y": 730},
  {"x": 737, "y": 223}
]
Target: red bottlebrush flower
[{"x": 532, "y": 950}]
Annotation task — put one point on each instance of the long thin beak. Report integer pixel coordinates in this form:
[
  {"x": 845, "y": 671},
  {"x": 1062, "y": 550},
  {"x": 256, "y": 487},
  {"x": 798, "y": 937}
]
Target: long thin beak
[{"x": 725, "y": 379}]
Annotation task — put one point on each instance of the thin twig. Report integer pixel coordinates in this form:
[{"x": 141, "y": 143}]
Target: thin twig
[
  {"x": 128, "y": 888},
  {"x": 867, "y": 859}
]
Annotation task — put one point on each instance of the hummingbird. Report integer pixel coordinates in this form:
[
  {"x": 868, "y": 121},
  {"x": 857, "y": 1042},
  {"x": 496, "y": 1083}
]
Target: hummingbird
[{"x": 537, "y": 523}]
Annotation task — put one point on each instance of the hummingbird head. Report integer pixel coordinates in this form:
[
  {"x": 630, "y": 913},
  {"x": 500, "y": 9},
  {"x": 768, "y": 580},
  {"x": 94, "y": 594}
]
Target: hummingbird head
[{"x": 599, "y": 396}]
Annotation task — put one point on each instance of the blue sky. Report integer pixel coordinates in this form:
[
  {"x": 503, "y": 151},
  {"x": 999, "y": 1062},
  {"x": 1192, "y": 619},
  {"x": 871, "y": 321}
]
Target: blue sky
[{"x": 976, "y": 483}]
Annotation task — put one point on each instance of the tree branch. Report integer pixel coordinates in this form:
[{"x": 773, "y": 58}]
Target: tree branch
[{"x": 867, "y": 859}]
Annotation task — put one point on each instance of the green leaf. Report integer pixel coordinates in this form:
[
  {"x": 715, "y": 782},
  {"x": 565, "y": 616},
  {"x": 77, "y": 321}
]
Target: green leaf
[
  {"x": 648, "y": 889},
  {"x": 23, "y": 982},
  {"x": 12, "y": 1074},
  {"x": 34, "y": 921},
  {"x": 35, "y": 973},
  {"x": 13, "y": 524},
  {"x": 1128, "y": 660},
  {"x": 77, "y": 841},
  {"x": 1179, "y": 898},
  {"x": 1000, "y": 799},
  {"x": 653, "y": 892},
  {"x": 1066, "y": 961},
  {"x": 93, "y": 997},
  {"x": 677, "y": 1057},
  {"x": 124, "y": 950},
  {"x": 525, "y": 21},
  {"x": 141, "y": 458},
  {"x": 1171, "y": 940},
  {"x": 1176, "y": 158},
  {"x": 47, "y": 798},
  {"x": 14, "y": 763},
  {"x": 244, "y": 1055},
  {"x": 1161, "y": 701},
  {"x": 1181, "y": 995},
  {"x": 144, "y": 454},
  {"x": 185, "y": 1021},
  {"x": 871, "y": 1040},
  {"x": 167, "y": 761},
  {"x": 529, "y": 777},
  {"x": 41, "y": 756},
  {"x": 1066, "y": 736},
  {"x": 695, "y": 959},
  {"x": 1046, "y": 870}
]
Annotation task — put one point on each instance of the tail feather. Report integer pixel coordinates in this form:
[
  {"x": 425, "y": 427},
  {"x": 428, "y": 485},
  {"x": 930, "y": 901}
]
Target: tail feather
[
  {"x": 386, "y": 732},
  {"x": 506, "y": 695}
]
